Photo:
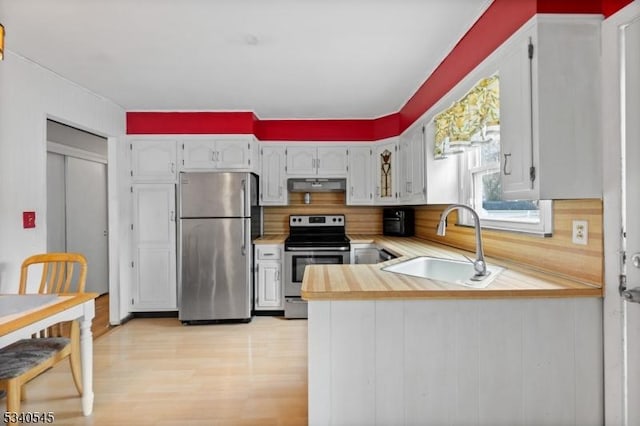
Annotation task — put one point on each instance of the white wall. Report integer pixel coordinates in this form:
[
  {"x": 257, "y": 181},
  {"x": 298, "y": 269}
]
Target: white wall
[{"x": 29, "y": 94}]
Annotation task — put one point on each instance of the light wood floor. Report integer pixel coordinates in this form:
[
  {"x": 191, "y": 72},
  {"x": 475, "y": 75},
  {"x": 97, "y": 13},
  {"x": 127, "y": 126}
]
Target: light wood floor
[{"x": 155, "y": 371}]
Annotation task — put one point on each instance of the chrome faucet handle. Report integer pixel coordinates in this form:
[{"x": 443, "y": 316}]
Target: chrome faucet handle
[{"x": 479, "y": 266}]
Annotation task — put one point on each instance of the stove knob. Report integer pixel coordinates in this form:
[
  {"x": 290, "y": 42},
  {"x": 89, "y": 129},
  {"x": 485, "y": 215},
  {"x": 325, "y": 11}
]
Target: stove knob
[
  {"x": 334, "y": 219},
  {"x": 339, "y": 219}
]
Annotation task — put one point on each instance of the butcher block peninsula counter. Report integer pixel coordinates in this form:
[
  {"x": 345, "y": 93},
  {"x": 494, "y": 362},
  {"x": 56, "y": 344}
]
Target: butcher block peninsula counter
[
  {"x": 362, "y": 282},
  {"x": 387, "y": 348}
]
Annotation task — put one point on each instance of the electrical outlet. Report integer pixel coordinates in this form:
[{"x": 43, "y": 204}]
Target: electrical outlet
[{"x": 580, "y": 233}]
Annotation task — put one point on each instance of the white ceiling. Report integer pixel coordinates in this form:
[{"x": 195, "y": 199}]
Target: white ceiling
[{"x": 278, "y": 58}]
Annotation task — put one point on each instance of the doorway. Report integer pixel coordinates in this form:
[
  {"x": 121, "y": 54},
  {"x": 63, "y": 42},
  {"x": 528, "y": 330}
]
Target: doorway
[
  {"x": 77, "y": 203},
  {"x": 621, "y": 174}
]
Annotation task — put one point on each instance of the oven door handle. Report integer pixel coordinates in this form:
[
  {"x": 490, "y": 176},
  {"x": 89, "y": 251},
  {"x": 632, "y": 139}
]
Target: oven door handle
[{"x": 317, "y": 249}]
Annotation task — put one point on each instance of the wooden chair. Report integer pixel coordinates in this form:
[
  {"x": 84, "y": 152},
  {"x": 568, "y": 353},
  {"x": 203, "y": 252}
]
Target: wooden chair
[{"x": 27, "y": 358}]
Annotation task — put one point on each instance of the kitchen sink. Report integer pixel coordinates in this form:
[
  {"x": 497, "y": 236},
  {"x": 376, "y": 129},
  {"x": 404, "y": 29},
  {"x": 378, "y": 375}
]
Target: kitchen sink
[{"x": 449, "y": 270}]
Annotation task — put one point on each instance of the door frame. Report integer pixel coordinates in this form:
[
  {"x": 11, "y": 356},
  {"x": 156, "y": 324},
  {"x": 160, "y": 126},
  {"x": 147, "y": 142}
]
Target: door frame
[
  {"x": 614, "y": 314},
  {"x": 118, "y": 296}
]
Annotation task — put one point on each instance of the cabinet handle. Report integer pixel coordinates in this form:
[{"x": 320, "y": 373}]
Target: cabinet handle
[
  {"x": 377, "y": 191},
  {"x": 352, "y": 191},
  {"x": 313, "y": 163},
  {"x": 217, "y": 155},
  {"x": 173, "y": 167},
  {"x": 318, "y": 163},
  {"x": 504, "y": 167},
  {"x": 172, "y": 216},
  {"x": 267, "y": 254},
  {"x": 280, "y": 191},
  {"x": 277, "y": 275},
  {"x": 213, "y": 156}
]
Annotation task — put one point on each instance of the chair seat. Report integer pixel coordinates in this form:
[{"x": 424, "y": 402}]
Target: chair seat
[{"x": 25, "y": 354}]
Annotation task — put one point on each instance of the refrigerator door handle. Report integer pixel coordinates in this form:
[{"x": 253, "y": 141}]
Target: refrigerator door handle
[{"x": 243, "y": 197}]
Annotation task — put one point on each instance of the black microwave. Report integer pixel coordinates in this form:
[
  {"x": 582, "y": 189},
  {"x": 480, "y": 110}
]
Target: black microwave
[{"x": 399, "y": 222}]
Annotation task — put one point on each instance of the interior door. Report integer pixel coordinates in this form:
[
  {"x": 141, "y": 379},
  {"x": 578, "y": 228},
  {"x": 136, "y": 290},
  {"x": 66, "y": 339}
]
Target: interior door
[
  {"x": 86, "y": 218},
  {"x": 631, "y": 216}
]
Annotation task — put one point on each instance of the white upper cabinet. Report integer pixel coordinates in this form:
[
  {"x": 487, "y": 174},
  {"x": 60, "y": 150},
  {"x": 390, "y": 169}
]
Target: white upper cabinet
[
  {"x": 549, "y": 109},
  {"x": 227, "y": 152},
  {"x": 153, "y": 160},
  {"x": 359, "y": 178},
  {"x": 411, "y": 173},
  {"x": 385, "y": 163},
  {"x": 304, "y": 159},
  {"x": 332, "y": 161},
  {"x": 273, "y": 179}
]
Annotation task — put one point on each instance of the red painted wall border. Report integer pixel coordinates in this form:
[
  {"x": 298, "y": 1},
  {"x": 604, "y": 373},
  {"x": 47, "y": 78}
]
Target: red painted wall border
[{"x": 501, "y": 19}]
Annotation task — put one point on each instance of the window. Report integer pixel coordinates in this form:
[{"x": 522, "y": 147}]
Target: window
[
  {"x": 481, "y": 189},
  {"x": 471, "y": 127}
]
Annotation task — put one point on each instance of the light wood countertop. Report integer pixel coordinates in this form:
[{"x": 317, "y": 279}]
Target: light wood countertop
[
  {"x": 366, "y": 282},
  {"x": 271, "y": 239}
]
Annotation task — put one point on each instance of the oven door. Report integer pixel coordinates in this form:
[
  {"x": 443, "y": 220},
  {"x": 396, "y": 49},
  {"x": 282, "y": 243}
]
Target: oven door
[{"x": 296, "y": 261}]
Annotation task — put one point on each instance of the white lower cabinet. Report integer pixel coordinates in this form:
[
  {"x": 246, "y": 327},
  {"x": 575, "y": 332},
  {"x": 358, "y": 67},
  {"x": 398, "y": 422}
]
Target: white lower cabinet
[
  {"x": 154, "y": 248},
  {"x": 269, "y": 292}
]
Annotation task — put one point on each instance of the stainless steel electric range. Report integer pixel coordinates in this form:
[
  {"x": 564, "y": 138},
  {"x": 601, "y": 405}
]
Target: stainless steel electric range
[{"x": 313, "y": 240}]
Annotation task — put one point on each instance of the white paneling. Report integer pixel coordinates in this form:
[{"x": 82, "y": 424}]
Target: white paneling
[
  {"x": 389, "y": 336},
  {"x": 467, "y": 347},
  {"x": 353, "y": 363},
  {"x": 548, "y": 327},
  {"x": 431, "y": 386},
  {"x": 456, "y": 362},
  {"x": 31, "y": 94},
  {"x": 319, "y": 335},
  {"x": 500, "y": 363},
  {"x": 588, "y": 352}
]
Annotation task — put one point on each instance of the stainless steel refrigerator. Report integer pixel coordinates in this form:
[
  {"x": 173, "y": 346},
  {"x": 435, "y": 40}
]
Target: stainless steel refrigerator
[{"x": 219, "y": 218}]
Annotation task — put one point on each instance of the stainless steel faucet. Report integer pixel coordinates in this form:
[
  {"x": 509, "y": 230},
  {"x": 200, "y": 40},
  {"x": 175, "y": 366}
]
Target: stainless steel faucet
[{"x": 479, "y": 264}]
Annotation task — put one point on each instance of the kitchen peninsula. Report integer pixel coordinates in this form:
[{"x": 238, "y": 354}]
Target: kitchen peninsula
[{"x": 386, "y": 348}]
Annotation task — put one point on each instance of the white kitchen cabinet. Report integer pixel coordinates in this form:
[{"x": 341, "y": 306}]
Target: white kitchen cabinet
[
  {"x": 154, "y": 248},
  {"x": 224, "y": 153},
  {"x": 273, "y": 178},
  {"x": 304, "y": 159},
  {"x": 549, "y": 110},
  {"x": 411, "y": 172},
  {"x": 359, "y": 176},
  {"x": 269, "y": 293},
  {"x": 153, "y": 160},
  {"x": 385, "y": 163}
]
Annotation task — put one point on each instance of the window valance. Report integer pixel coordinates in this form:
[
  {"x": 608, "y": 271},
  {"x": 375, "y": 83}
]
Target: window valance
[{"x": 477, "y": 110}]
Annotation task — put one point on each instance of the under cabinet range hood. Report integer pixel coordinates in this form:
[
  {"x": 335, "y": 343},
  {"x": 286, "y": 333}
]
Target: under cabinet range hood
[{"x": 317, "y": 185}]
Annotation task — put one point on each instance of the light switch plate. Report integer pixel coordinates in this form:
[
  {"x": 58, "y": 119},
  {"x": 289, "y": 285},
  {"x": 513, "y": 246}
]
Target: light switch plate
[{"x": 580, "y": 234}]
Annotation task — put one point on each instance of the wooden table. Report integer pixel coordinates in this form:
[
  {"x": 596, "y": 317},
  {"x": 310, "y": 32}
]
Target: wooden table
[{"x": 64, "y": 307}]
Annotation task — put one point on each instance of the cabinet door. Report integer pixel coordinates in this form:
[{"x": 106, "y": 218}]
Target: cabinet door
[
  {"x": 384, "y": 163},
  {"x": 199, "y": 154},
  {"x": 417, "y": 184},
  {"x": 515, "y": 123},
  {"x": 273, "y": 189},
  {"x": 233, "y": 154},
  {"x": 301, "y": 160},
  {"x": 153, "y": 161},
  {"x": 269, "y": 286},
  {"x": 154, "y": 240},
  {"x": 359, "y": 178},
  {"x": 405, "y": 169},
  {"x": 332, "y": 161}
]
